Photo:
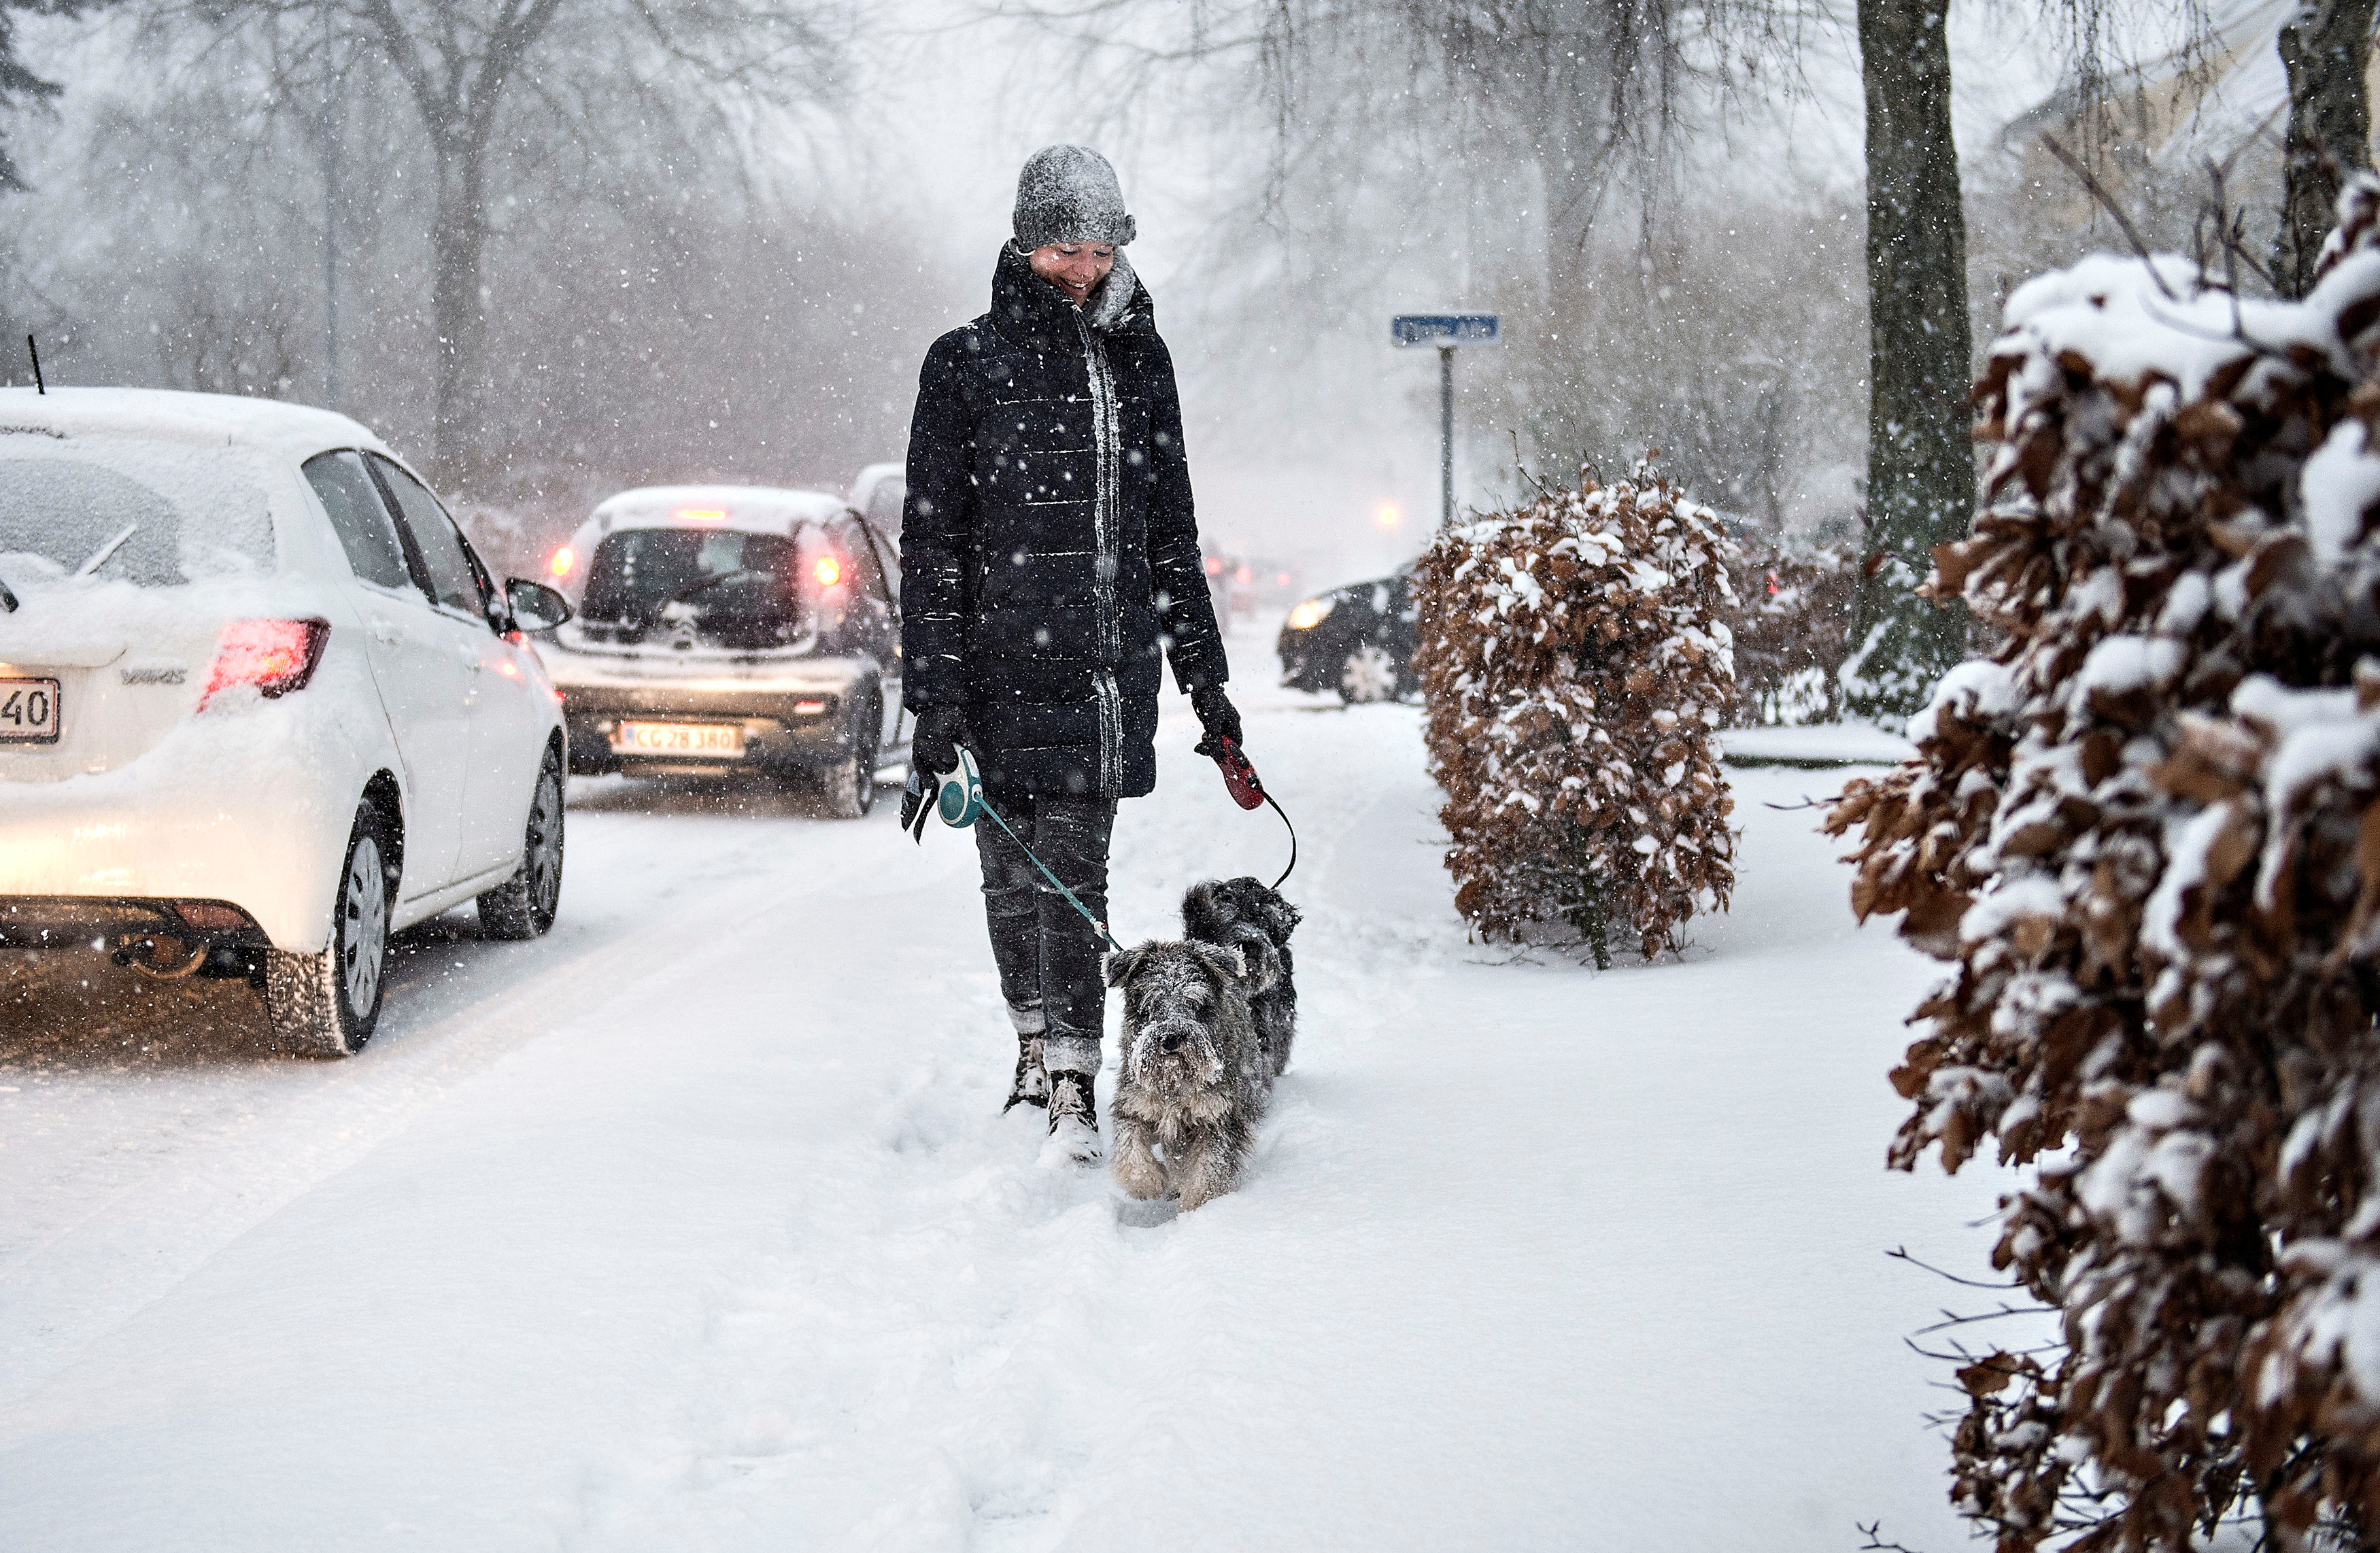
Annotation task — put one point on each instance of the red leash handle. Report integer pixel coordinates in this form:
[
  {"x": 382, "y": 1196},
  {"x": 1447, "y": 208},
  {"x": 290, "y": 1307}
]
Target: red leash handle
[
  {"x": 1248, "y": 788},
  {"x": 1249, "y": 791}
]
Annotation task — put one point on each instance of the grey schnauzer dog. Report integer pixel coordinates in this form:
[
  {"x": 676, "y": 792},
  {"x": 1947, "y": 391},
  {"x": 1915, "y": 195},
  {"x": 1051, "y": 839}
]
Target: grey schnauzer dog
[
  {"x": 1245, "y": 914},
  {"x": 1195, "y": 1078},
  {"x": 1207, "y": 1020}
]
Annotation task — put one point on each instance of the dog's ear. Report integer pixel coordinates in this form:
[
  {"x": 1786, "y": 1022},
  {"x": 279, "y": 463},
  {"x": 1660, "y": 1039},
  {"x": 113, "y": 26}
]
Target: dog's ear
[
  {"x": 1204, "y": 912},
  {"x": 1225, "y": 960},
  {"x": 1119, "y": 965}
]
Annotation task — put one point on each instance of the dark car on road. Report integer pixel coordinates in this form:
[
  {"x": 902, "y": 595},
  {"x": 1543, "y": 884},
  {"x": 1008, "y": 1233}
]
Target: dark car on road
[
  {"x": 727, "y": 628},
  {"x": 1355, "y": 642}
]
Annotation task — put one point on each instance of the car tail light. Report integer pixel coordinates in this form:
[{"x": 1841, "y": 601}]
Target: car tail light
[
  {"x": 828, "y": 570},
  {"x": 563, "y": 559},
  {"x": 275, "y": 656},
  {"x": 214, "y": 916},
  {"x": 808, "y": 709}
]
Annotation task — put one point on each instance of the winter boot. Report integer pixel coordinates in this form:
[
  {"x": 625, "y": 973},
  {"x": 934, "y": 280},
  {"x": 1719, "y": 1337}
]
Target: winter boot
[
  {"x": 1032, "y": 1086},
  {"x": 1074, "y": 1119}
]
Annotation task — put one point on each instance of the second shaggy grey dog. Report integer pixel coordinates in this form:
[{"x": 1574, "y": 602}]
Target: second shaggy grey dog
[
  {"x": 1256, "y": 919},
  {"x": 1195, "y": 1075}
]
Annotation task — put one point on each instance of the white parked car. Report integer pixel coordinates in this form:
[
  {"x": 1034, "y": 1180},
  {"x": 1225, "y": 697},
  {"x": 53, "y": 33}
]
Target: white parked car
[{"x": 261, "y": 706}]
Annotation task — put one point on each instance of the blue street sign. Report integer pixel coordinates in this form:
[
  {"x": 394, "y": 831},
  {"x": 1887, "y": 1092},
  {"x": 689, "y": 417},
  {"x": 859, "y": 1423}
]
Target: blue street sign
[{"x": 1444, "y": 329}]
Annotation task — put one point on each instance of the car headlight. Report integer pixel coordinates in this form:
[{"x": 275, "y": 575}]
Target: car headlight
[{"x": 1307, "y": 616}]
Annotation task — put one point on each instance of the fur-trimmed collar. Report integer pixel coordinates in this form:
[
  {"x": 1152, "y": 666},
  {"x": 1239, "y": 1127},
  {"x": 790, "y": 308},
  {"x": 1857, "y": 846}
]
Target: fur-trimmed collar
[{"x": 1034, "y": 314}]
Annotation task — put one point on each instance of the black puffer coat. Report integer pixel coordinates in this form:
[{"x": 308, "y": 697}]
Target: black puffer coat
[{"x": 1048, "y": 547}]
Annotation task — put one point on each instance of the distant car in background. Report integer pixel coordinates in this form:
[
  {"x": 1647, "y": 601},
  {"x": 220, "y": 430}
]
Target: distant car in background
[
  {"x": 877, "y": 493},
  {"x": 1357, "y": 642},
  {"x": 1247, "y": 586},
  {"x": 261, "y": 703},
  {"x": 732, "y": 627}
]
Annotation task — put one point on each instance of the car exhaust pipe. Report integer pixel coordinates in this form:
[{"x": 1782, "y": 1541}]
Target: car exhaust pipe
[{"x": 140, "y": 952}]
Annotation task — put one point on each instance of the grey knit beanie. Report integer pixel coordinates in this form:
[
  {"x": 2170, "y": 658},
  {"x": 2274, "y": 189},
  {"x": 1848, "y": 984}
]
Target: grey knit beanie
[{"x": 1069, "y": 194}]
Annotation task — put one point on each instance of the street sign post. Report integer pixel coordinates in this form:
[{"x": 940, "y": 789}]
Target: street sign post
[{"x": 1446, "y": 330}]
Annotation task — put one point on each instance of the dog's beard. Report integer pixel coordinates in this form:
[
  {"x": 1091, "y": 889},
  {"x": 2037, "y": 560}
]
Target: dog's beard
[{"x": 1192, "y": 1064}]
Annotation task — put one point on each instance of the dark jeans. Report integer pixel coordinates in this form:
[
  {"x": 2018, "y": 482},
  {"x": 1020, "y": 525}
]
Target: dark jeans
[{"x": 1048, "y": 957}]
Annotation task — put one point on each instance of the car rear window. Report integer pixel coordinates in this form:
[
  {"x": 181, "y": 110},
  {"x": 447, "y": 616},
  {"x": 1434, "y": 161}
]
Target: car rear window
[
  {"x": 715, "y": 578},
  {"x": 149, "y": 511}
]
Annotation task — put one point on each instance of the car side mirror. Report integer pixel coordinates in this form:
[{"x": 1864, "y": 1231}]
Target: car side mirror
[{"x": 535, "y": 606}]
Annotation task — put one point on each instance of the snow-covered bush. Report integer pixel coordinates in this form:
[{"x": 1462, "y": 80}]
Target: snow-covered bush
[
  {"x": 1792, "y": 626},
  {"x": 2147, "y": 833},
  {"x": 1575, "y": 655}
]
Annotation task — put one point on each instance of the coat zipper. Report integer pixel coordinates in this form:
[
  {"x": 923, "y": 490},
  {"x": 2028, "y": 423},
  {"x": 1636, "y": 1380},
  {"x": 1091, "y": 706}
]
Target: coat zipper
[
  {"x": 1111, "y": 700},
  {"x": 1106, "y": 433}
]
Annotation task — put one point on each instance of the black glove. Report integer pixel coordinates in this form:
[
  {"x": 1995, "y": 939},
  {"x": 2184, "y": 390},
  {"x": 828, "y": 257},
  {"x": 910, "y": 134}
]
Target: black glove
[
  {"x": 1218, "y": 717},
  {"x": 933, "y": 750},
  {"x": 934, "y": 746}
]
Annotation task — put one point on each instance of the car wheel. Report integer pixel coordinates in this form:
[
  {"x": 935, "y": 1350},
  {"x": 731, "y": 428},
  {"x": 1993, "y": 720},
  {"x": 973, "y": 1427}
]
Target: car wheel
[
  {"x": 325, "y": 1004},
  {"x": 1368, "y": 675},
  {"x": 850, "y": 785},
  {"x": 523, "y": 905}
]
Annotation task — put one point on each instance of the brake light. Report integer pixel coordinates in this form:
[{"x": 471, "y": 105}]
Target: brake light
[
  {"x": 275, "y": 656},
  {"x": 828, "y": 570},
  {"x": 214, "y": 916},
  {"x": 700, "y": 515},
  {"x": 562, "y": 563},
  {"x": 1214, "y": 565}
]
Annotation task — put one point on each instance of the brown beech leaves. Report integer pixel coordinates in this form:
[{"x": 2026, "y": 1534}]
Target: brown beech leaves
[
  {"x": 1575, "y": 657},
  {"x": 2145, "y": 835}
]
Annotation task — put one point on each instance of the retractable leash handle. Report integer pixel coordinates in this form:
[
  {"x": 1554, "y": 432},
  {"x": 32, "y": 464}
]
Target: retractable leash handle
[
  {"x": 958, "y": 802},
  {"x": 1248, "y": 788}
]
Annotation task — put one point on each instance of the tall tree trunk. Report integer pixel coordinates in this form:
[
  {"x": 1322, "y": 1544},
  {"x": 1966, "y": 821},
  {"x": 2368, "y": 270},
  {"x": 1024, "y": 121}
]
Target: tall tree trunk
[
  {"x": 458, "y": 243},
  {"x": 2326, "y": 48},
  {"x": 1920, "y": 464}
]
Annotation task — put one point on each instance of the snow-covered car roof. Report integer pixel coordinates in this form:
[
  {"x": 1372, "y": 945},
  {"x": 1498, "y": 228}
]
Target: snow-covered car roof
[
  {"x": 753, "y": 509},
  {"x": 297, "y": 431},
  {"x": 863, "y": 485}
]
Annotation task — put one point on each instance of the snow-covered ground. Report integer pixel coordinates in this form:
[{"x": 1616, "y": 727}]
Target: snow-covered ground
[
  {"x": 696, "y": 1225},
  {"x": 1831, "y": 743}
]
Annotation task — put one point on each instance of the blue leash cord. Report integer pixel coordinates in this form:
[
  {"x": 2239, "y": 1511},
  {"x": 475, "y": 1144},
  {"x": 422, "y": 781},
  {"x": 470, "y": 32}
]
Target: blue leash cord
[{"x": 1059, "y": 885}]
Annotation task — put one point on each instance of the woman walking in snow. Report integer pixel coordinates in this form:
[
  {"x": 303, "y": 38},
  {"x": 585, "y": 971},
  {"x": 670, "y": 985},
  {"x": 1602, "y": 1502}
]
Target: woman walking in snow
[{"x": 1049, "y": 553}]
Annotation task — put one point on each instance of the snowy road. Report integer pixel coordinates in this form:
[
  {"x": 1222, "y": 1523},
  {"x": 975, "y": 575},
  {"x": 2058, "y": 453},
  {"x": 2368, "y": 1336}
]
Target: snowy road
[{"x": 696, "y": 1225}]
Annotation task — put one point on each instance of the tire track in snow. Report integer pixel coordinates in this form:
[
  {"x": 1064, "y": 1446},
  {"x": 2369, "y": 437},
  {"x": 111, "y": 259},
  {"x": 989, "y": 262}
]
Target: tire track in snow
[{"x": 191, "y": 1191}]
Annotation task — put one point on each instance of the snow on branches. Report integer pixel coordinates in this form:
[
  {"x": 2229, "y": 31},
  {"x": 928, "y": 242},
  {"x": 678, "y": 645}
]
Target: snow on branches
[
  {"x": 2146, "y": 832},
  {"x": 1574, "y": 656}
]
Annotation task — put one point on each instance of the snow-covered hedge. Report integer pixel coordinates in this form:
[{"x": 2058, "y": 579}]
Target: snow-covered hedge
[
  {"x": 1575, "y": 655},
  {"x": 2148, "y": 834}
]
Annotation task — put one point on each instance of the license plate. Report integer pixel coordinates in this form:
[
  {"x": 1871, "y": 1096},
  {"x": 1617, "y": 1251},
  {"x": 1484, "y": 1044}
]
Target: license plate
[
  {"x": 724, "y": 740},
  {"x": 29, "y": 711}
]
